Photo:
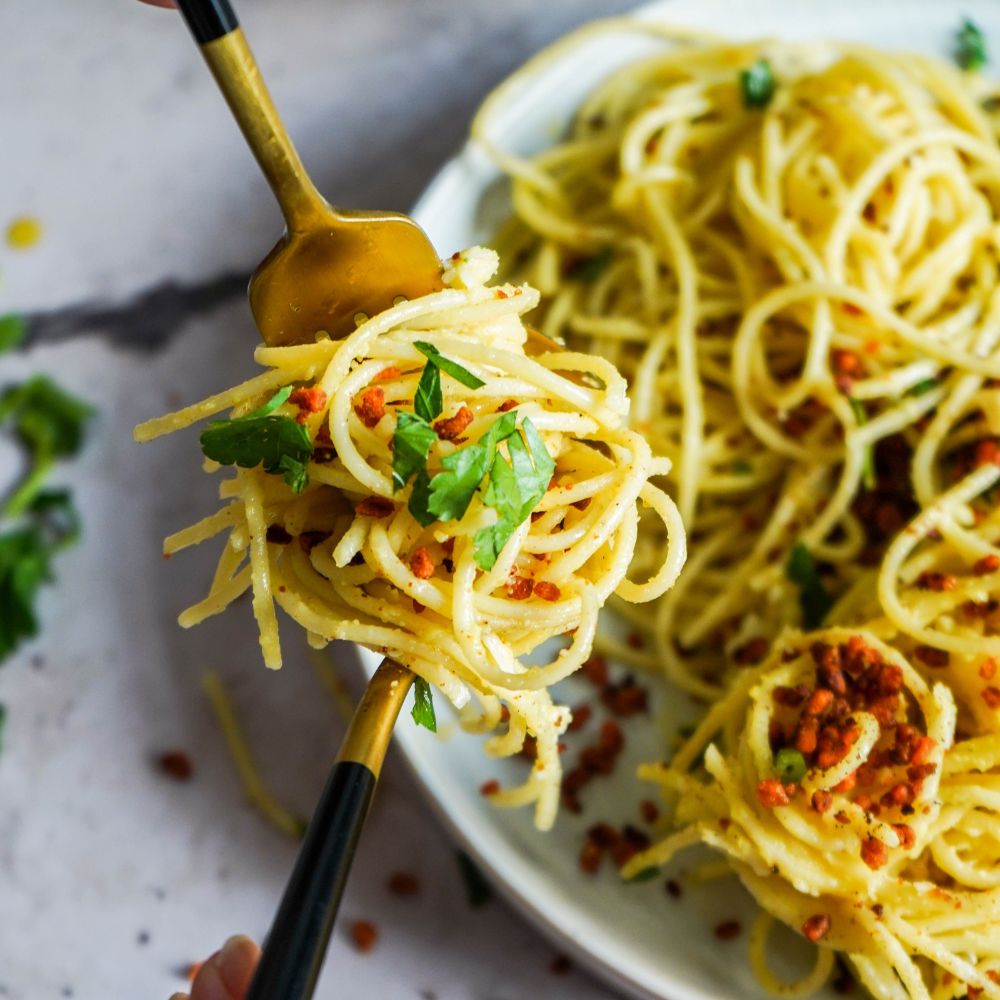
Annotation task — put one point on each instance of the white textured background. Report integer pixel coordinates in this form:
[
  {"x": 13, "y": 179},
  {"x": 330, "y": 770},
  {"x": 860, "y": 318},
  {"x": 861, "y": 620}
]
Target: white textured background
[{"x": 111, "y": 877}]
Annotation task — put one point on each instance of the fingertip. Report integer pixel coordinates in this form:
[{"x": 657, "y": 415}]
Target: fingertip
[{"x": 237, "y": 963}]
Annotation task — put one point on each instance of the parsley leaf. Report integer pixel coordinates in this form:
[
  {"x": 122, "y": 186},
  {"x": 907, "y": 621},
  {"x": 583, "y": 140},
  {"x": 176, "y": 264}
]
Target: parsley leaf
[
  {"x": 452, "y": 368},
  {"x": 410, "y": 444},
  {"x": 50, "y": 423},
  {"x": 279, "y": 443},
  {"x": 427, "y": 401},
  {"x": 813, "y": 598},
  {"x": 921, "y": 387},
  {"x": 423, "y": 705},
  {"x": 419, "y": 501},
  {"x": 868, "y": 460},
  {"x": 12, "y": 331},
  {"x": 451, "y": 490},
  {"x": 970, "y": 48},
  {"x": 514, "y": 490},
  {"x": 589, "y": 270},
  {"x": 24, "y": 567},
  {"x": 757, "y": 85}
]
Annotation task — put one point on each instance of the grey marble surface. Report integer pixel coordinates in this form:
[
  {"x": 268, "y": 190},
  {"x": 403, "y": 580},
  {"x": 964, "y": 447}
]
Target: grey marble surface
[{"x": 111, "y": 877}]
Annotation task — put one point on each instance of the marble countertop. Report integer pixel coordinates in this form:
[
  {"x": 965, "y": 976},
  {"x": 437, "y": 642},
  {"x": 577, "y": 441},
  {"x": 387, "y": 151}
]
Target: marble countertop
[{"x": 114, "y": 878}]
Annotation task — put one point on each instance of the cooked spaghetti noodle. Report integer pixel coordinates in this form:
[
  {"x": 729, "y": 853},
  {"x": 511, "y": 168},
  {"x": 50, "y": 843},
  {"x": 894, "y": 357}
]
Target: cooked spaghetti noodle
[
  {"x": 347, "y": 558},
  {"x": 791, "y": 252}
]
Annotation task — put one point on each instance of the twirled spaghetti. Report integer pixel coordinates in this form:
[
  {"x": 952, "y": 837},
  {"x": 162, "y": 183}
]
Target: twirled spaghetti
[
  {"x": 347, "y": 558},
  {"x": 791, "y": 252}
]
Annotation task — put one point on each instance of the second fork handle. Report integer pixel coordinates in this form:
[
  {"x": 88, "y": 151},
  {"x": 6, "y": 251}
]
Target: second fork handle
[{"x": 217, "y": 31}]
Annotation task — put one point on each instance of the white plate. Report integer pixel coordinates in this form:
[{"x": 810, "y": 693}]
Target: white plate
[{"x": 634, "y": 936}]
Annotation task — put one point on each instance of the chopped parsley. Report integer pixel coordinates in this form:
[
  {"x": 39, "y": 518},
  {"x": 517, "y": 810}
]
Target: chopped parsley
[
  {"x": 757, "y": 85},
  {"x": 279, "y": 443},
  {"x": 970, "y": 47},
  {"x": 449, "y": 367},
  {"x": 741, "y": 467},
  {"x": 423, "y": 705},
  {"x": 790, "y": 766},
  {"x": 12, "y": 331},
  {"x": 814, "y": 600},
  {"x": 923, "y": 386},
  {"x": 477, "y": 890},
  {"x": 644, "y": 875},
  {"x": 427, "y": 400},
  {"x": 868, "y": 459},
  {"x": 410, "y": 446}
]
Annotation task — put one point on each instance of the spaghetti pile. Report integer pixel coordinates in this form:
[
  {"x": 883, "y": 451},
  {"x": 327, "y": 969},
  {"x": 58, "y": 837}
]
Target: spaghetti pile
[
  {"x": 427, "y": 489},
  {"x": 791, "y": 252}
]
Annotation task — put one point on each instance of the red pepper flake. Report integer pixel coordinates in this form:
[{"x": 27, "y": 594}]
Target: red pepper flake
[
  {"x": 508, "y": 404},
  {"x": 519, "y": 588},
  {"x": 452, "y": 427},
  {"x": 547, "y": 591},
  {"x": 625, "y": 699},
  {"x": 590, "y": 856},
  {"x": 370, "y": 408},
  {"x": 728, "y": 930},
  {"x": 847, "y": 363},
  {"x": 807, "y": 735},
  {"x": 816, "y": 926},
  {"x": 364, "y": 934},
  {"x": 176, "y": 764},
  {"x": 488, "y": 788},
  {"x": 421, "y": 564},
  {"x": 991, "y": 695},
  {"x": 936, "y": 581},
  {"x": 790, "y": 697},
  {"x": 988, "y": 564},
  {"x": 900, "y": 794},
  {"x": 988, "y": 668},
  {"x": 649, "y": 811},
  {"x": 771, "y": 792},
  {"x": 377, "y": 507},
  {"x": 874, "y": 853},
  {"x": 851, "y": 309},
  {"x": 924, "y": 748},
  {"x": 931, "y": 657},
  {"x": 581, "y": 716},
  {"x": 387, "y": 374},
  {"x": 309, "y": 399},
  {"x": 819, "y": 701},
  {"x": 403, "y": 884},
  {"x": 822, "y": 800},
  {"x": 987, "y": 453},
  {"x": 907, "y": 838},
  {"x": 595, "y": 670}
]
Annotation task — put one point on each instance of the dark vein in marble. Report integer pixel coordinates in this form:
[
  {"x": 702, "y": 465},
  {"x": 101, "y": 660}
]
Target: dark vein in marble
[{"x": 145, "y": 322}]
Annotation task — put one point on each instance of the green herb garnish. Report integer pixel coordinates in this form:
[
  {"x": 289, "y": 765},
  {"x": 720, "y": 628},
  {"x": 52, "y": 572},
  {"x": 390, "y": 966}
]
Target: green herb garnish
[
  {"x": 423, "y": 705},
  {"x": 921, "y": 387},
  {"x": 477, "y": 890},
  {"x": 410, "y": 446},
  {"x": 757, "y": 85},
  {"x": 12, "y": 331},
  {"x": 868, "y": 459},
  {"x": 514, "y": 490},
  {"x": 449, "y": 367},
  {"x": 790, "y": 766},
  {"x": 278, "y": 443},
  {"x": 589, "y": 270},
  {"x": 427, "y": 400},
  {"x": 50, "y": 424},
  {"x": 813, "y": 597},
  {"x": 645, "y": 875},
  {"x": 970, "y": 48},
  {"x": 741, "y": 467}
]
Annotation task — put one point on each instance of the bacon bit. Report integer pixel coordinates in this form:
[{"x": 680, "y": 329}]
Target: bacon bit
[
  {"x": 387, "y": 373},
  {"x": 421, "y": 564},
  {"x": 752, "y": 652},
  {"x": 311, "y": 399},
  {"x": 590, "y": 856},
  {"x": 816, "y": 927},
  {"x": 519, "y": 588},
  {"x": 819, "y": 701},
  {"x": 378, "y": 507},
  {"x": 547, "y": 591},
  {"x": 988, "y": 668},
  {"x": 936, "y": 581},
  {"x": 452, "y": 427},
  {"x": 649, "y": 810},
  {"x": 488, "y": 788},
  {"x": 728, "y": 930},
  {"x": 403, "y": 884},
  {"x": 988, "y": 564},
  {"x": 673, "y": 888},
  {"x": 581, "y": 716},
  {"x": 991, "y": 695},
  {"x": 822, "y": 801},
  {"x": 596, "y": 670},
  {"x": 907, "y": 838},
  {"x": 370, "y": 408},
  {"x": 807, "y": 735},
  {"x": 625, "y": 699},
  {"x": 847, "y": 784},
  {"x": 176, "y": 764},
  {"x": 506, "y": 405},
  {"x": 851, "y": 309},
  {"x": 864, "y": 802},
  {"x": 874, "y": 853},
  {"x": 847, "y": 363},
  {"x": 790, "y": 697},
  {"x": 924, "y": 748},
  {"x": 277, "y": 535},
  {"x": 899, "y": 795},
  {"x": 842, "y": 817},
  {"x": 828, "y": 667},
  {"x": 364, "y": 934},
  {"x": 987, "y": 453},
  {"x": 931, "y": 657},
  {"x": 771, "y": 793}
]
